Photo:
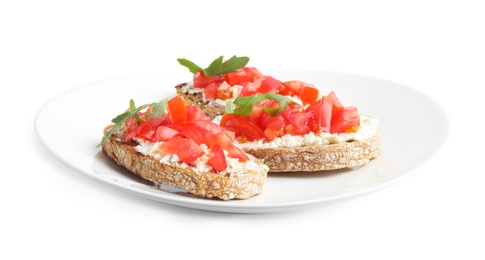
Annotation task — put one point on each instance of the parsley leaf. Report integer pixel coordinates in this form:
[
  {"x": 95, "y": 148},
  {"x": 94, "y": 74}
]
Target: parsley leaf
[
  {"x": 218, "y": 66},
  {"x": 157, "y": 110},
  {"x": 246, "y": 104}
]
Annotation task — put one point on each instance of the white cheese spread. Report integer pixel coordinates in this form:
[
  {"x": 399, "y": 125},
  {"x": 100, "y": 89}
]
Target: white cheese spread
[{"x": 234, "y": 167}]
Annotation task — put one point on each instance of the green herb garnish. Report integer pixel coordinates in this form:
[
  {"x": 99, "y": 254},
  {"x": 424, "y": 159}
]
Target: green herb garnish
[
  {"x": 158, "y": 108},
  {"x": 246, "y": 104},
  {"x": 218, "y": 66}
]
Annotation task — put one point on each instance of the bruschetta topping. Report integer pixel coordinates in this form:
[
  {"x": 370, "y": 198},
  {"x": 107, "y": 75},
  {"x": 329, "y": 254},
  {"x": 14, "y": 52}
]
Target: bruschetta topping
[
  {"x": 179, "y": 132},
  {"x": 270, "y": 116},
  {"x": 218, "y": 80}
]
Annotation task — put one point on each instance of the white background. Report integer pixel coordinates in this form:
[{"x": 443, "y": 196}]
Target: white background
[{"x": 52, "y": 212}]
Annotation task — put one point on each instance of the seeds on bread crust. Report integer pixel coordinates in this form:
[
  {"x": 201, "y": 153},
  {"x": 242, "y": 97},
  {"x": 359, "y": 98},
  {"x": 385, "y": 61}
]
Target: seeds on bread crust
[{"x": 204, "y": 184}]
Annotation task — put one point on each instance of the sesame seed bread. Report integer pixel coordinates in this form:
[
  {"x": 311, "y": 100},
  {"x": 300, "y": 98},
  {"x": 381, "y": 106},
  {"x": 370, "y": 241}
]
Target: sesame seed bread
[
  {"x": 318, "y": 157},
  {"x": 205, "y": 184}
]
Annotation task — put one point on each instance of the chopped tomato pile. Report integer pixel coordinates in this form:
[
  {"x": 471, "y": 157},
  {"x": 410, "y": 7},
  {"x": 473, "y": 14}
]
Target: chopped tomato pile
[
  {"x": 252, "y": 82},
  {"x": 326, "y": 114},
  {"x": 182, "y": 130}
]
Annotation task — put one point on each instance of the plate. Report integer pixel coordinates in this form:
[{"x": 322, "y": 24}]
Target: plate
[{"x": 70, "y": 126}]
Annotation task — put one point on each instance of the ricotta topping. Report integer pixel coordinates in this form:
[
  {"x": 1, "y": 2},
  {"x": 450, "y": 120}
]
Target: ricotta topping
[
  {"x": 368, "y": 128},
  {"x": 234, "y": 167}
]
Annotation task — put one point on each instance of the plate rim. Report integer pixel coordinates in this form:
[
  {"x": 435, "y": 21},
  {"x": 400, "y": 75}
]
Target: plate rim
[{"x": 223, "y": 206}]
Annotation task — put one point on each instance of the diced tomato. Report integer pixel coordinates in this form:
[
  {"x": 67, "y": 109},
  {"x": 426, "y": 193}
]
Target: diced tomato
[
  {"x": 194, "y": 134},
  {"x": 223, "y": 91},
  {"x": 308, "y": 94},
  {"x": 251, "y": 88},
  {"x": 344, "y": 119},
  {"x": 225, "y": 118},
  {"x": 322, "y": 114},
  {"x": 256, "y": 113},
  {"x": 186, "y": 149},
  {"x": 200, "y": 125},
  {"x": 147, "y": 128},
  {"x": 252, "y": 73},
  {"x": 225, "y": 139},
  {"x": 299, "y": 121},
  {"x": 244, "y": 126},
  {"x": 269, "y": 85},
  {"x": 210, "y": 91},
  {"x": 176, "y": 109},
  {"x": 292, "y": 87},
  {"x": 195, "y": 113},
  {"x": 275, "y": 127},
  {"x": 164, "y": 133},
  {"x": 336, "y": 105},
  {"x": 201, "y": 81},
  {"x": 237, "y": 77},
  {"x": 217, "y": 159}
]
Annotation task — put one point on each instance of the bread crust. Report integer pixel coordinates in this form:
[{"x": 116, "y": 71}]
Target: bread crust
[
  {"x": 318, "y": 157},
  {"x": 204, "y": 184}
]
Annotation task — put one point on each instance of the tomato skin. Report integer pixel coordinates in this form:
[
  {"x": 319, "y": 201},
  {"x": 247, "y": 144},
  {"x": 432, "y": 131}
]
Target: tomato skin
[
  {"x": 299, "y": 121},
  {"x": 164, "y": 133},
  {"x": 269, "y": 85},
  {"x": 225, "y": 118},
  {"x": 217, "y": 159},
  {"x": 308, "y": 94},
  {"x": 292, "y": 87},
  {"x": 201, "y": 81},
  {"x": 243, "y": 126},
  {"x": 236, "y": 77},
  {"x": 322, "y": 115},
  {"x": 176, "y": 110},
  {"x": 186, "y": 149},
  {"x": 195, "y": 113},
  {"x": 275, "y": 128},
  {"x": 344, "y": 119},
  {"x": 336, "y": 105}
]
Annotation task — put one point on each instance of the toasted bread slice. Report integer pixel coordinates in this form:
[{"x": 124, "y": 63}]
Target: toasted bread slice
[
  {"x": 240, "y": 185},
  {"x": 318, "y": 157}
]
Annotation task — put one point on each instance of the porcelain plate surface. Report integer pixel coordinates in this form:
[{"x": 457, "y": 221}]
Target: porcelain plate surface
[{"x": 413, "y": 128}]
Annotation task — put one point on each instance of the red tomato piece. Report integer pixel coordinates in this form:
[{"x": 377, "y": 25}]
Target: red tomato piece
[
  {"x": 210, "y": 91},
  {"x": 217, "y": 159},
  {"x": 336, "y": 105},
  {"x": 201, "y": 81},
  {"x": 164, "y": 133},
  {"x": 269, "y": 85},
  {"x": 225, "y": 118},
  {"x": 252, "y": 73},
  {"x": 275, "y": 128},
  {"x": 236, "y": 77},
  {"x": 292, "y": 87},
  {"x": 225, "y": 140},
  {"x": 186, "y": 149},
  {"x": 195, "y": 113},
  {"x": 308, "y": 94},
  {"x": 223, "y": 91},
  {"x": 176, "y": 110},
  {"x": 322, "y": 115},
  {"x": 251, "y": 88},
  {"x": 299, "y": 121},
  {"x": 243, "y": 126},
  {"x": 344, "y": 119}
]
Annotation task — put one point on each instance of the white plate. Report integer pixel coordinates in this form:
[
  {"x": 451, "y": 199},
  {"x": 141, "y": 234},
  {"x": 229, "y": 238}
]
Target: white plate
[{"x": 413, "y": 129}]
